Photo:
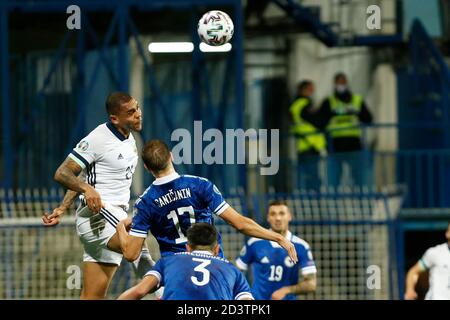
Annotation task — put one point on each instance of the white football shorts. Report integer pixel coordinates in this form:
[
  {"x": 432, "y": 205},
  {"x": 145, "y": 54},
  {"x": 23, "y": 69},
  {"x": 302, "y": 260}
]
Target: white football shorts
[{"x": 95, "y": 230}]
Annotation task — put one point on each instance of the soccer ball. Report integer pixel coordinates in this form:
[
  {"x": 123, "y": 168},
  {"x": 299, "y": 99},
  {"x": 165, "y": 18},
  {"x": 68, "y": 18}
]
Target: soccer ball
[{"x": 215, "y": 28}]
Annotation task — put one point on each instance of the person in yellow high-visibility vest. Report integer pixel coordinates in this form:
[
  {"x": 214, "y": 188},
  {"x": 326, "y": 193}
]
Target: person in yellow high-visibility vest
[
  {"x": 342, "y": 114},
  {"x": 311, "y": 142}
]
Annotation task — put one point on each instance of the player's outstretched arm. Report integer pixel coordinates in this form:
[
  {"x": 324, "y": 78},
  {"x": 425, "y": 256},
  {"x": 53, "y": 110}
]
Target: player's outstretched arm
[
  {"x": 55, "y": 217},
  {"x": 147, "y": 285},
  {"x": 411, "y": 280},
  {"x": 67, "y": 174},
  {"x": 306, "y": 285},
  {"x": 130, "y": 246},
  {"x": 250, "y": 228}
]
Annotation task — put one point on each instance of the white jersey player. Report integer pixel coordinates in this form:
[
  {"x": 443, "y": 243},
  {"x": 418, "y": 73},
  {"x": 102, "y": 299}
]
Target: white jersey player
[
  {"x": 108, "y": 157},
  {"x": 436, "y": 260}
]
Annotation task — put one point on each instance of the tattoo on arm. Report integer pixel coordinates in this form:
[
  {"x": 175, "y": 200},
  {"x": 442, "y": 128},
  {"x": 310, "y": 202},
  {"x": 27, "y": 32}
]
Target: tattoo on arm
[
  {"x": 71, "y": 195},
  {"x": 67, "y": 174}
]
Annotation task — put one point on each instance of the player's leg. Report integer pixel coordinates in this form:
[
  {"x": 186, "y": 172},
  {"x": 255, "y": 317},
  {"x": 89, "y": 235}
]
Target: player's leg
[
  {"x": 96, "y": 279},
  {"x": 99, "y": 263},
  {"x": 142, "y": 264}
]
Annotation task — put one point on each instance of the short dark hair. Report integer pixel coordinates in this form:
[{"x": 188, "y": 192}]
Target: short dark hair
[
  {"x": 340, "y": 74},
  {"x": 156, "y": 155},
  {"x": 202, "y": 234},
  {"x": 303, "y": 85},
  {"x": 115, "y": 100},
  {"x": 277, "y": 202}
]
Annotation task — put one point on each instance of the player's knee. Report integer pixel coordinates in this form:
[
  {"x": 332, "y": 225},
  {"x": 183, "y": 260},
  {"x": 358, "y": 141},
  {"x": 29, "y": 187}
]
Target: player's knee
[
  {"x": 131, "y": 256},
  {"x": 92, "y": 295},
  {"x": 97, "y": 292}
]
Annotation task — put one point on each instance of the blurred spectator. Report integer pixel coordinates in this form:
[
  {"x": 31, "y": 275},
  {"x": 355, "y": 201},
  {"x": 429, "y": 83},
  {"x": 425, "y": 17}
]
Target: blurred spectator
[
  {"x": 310, "y": 142},
  {"x": 341, "y": 115}
]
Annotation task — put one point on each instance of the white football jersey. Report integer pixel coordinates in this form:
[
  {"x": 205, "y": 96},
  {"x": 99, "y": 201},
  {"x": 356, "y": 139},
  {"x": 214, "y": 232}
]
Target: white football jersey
[
  {"x": 437, "y": 261},
  {"x": 109, "y": 160}
]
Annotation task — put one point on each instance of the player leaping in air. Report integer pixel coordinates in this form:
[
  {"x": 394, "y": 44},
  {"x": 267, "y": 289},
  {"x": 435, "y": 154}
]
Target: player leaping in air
[
  {"x": 108, "y": 157},
  {"x": 174, "y": 202}
]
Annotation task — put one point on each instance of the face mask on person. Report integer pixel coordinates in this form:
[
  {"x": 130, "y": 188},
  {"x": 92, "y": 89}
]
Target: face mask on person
[{"x": 341, "y": 88}]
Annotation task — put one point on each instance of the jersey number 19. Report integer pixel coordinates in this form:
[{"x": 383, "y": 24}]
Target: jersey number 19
[{"x": 276, "y": 273}]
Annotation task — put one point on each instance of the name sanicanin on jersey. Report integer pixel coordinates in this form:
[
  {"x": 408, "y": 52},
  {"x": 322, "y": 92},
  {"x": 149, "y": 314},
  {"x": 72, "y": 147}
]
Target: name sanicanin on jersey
[{"x": 172, "y": 196}]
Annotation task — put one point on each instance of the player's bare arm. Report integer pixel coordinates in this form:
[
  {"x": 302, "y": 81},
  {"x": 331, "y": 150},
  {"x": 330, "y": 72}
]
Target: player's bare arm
[
  {"x": 411, "y": 280},
  {"x": 129, "y": 245},
  {"x": 306, "y": 285},
  {"x": 67, "y": 174},
  {"x": 146, "y": 286},
  {"x": 250, "y": 228},
  {"x": 55, "y": 217}
]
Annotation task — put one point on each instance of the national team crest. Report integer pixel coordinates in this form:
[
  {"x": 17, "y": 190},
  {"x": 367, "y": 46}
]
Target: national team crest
[
  {"x": 288, "y": 262},
  {"x": 83, "y": 145}
]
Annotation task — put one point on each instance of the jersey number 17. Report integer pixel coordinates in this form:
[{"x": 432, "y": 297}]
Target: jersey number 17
[{"x": 174, "y": 216}]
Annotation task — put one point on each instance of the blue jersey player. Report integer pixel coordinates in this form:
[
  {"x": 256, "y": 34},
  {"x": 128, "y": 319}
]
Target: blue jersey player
[
  {"x": 275, "y": 276},
  {"x": 197, "y": 274},
  {"x": 174, "y": 202}
]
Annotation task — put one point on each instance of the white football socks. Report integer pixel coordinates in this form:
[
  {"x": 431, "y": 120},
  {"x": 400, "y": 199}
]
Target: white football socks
[{"x": 144, "y": 263}]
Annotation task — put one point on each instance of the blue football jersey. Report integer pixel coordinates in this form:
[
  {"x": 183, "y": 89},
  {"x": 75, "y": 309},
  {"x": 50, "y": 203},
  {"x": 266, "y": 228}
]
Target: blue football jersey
[
  {"x": 200, "y": 276},
  {"x": 171, "y": 205},
  {"x": 272, "y": 268}
]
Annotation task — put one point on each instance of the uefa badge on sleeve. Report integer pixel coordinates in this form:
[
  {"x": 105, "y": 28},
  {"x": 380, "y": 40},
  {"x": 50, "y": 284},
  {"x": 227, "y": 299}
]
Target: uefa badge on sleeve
[{"x": 83, "y": 145}]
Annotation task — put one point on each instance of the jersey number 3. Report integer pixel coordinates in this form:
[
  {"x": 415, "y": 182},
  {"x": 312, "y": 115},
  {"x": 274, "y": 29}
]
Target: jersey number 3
[
  {"x": 202, "y": 269},
  {"x": 174, "y": 216}
]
